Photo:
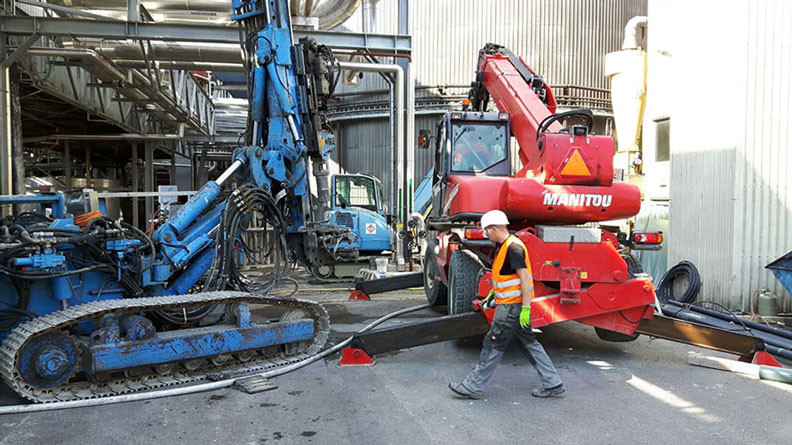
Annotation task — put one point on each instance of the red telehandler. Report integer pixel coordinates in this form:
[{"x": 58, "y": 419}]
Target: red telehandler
[
  {"x": 565, "y": 180},
  {"x": 562, "y": 186}
]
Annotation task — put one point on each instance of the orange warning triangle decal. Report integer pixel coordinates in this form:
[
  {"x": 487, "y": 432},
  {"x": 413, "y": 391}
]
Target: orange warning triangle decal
[{"x": 575, "y": 166}]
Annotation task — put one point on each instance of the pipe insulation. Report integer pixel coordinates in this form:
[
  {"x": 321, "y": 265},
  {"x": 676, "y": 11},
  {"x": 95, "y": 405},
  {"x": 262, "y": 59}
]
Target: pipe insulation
[
  {"x": 18, "y": 409},
  {"x": 398, "y": 117},
  {"x": 151, "y": 6},
  {"x": 333, "y": 13},
  {"x": 164, "y": 51}
]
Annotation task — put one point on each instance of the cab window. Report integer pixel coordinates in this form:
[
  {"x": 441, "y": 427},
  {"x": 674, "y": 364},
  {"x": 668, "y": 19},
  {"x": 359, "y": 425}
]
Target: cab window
[
  {"x": 477, "y": 147},
  {"x": 355, "y": 192}
]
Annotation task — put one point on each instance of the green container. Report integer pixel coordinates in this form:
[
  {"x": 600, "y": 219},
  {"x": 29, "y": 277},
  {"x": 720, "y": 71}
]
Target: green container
[{"x": 767, "y": 304}]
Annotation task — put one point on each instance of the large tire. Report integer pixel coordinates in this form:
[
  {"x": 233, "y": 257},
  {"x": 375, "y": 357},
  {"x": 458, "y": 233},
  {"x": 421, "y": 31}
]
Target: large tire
[
  {"x": 436, "y": 292},
  {"x": 634, "y": 268},
  {"x": 463, "y": 280}
]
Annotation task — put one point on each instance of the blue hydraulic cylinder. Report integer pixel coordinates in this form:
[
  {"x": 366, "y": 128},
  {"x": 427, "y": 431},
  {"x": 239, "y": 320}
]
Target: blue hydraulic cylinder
[
  {"x": 178, "y": 252},
  {"x": 190, "y": 276},
  {"x": 259, "y": 87},
  {"x": 194, "y": 207},
  {"x": 46, "y": 259}
]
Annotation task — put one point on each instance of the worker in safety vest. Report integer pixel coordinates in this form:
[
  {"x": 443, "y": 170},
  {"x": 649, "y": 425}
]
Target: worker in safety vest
[{"x": 512, "y": 291}]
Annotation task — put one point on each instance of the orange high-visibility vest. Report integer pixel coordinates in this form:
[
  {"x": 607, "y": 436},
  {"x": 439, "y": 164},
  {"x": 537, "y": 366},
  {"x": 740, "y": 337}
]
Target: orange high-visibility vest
[{"x": 507, "y": 287}]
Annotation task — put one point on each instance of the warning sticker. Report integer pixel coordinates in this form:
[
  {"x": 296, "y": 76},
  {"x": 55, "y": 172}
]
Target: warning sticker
[
  {"x": 371, "y": 228},
  {"x": 575, "y": 165}
]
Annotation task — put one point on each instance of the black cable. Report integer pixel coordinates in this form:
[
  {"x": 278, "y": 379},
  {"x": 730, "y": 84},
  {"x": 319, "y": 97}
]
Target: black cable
[
  {"x": 224, "y": 272},
  {"x": 546, "y": 122},
  {"x": 47, "y": 275},
  {"x": 727, "y": 311},
  {"x": 665, "y": 290}
]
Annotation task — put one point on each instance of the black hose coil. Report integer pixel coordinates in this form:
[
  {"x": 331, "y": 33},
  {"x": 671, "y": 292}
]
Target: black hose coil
[{"x": 665, "y": 290}]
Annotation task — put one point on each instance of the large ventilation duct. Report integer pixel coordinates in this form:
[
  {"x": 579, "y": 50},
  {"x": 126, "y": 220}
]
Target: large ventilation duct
[
  {"x": 164, "y": 51},
  {"x": 163, "y": 5},
  {"x": 331, "y": 13}
]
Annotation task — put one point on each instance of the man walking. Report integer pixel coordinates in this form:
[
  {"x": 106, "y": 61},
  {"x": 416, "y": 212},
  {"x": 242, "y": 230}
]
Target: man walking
[{"x": 513, "y": 290}]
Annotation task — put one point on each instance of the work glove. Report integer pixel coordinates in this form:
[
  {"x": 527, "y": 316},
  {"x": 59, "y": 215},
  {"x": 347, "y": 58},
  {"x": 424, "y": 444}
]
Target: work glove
[
  {"x": 489, "y": 301},
  {"x": 525, "y": 317}
]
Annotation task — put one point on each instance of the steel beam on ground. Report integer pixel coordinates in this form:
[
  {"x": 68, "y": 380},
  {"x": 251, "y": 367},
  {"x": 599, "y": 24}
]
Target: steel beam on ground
[{"x": 107, "y": 29}]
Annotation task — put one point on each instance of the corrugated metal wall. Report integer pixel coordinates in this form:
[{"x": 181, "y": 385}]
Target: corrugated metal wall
[
  {"x": 731, "y": 188},
  {"x": 366, "y": 149},
  {"x": 564, "y": 40},
  {"x": 763, "y": 193}
]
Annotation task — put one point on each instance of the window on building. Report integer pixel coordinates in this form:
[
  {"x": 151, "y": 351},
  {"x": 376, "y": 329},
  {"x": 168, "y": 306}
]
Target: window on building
[{"x": 662, "y": 139}]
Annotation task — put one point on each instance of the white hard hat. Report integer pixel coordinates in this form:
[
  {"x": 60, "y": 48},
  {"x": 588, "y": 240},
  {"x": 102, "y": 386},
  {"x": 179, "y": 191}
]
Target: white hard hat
[{"x": 494, "y": 218}]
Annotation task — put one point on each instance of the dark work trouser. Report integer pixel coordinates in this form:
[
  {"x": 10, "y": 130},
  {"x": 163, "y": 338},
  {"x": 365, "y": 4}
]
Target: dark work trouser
[{"x": 505, "y": 325}]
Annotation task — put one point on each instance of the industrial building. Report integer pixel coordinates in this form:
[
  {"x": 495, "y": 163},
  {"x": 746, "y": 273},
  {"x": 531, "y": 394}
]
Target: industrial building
[{"x": 271, "y": 221}]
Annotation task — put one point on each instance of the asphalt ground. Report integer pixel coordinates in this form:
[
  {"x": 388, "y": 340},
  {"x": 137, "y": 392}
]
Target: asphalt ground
[{"x": 638, "y": 392}]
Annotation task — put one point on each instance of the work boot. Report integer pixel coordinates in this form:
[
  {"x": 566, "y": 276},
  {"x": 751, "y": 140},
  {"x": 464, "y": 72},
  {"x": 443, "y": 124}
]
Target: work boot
[
  {"x": 547, "y": 392},
  {"x": 462, "y": 391}
]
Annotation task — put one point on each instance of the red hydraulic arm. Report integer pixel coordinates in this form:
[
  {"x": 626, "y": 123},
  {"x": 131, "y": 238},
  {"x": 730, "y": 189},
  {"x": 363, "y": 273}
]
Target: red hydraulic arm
[
  {"x": 567, "y": 173},
  {"x": 519, "y": 91},
  {"x": 559, "y": 156}
]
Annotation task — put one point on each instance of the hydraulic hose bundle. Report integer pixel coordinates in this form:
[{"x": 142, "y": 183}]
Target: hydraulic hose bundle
[
  {"x": 665, "y": 290},
  {"x": 242, "y": 206},
  {"x": 686, "y": 307},
  {"x": 84, "y": 250}
]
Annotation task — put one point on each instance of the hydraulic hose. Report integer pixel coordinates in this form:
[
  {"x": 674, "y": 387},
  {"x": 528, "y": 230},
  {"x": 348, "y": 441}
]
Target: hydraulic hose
[
  {"x": 774, "y": 343},
  {"x": 18, "y": 409},
  {"x": 665, "y": 290},
  {"x": 731, "y": 318}
]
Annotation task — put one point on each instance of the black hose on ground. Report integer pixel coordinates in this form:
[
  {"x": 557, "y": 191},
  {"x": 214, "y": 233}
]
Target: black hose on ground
[
  {"x": 665, "y": 290},
  {"x": 748, "y": 324}
]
